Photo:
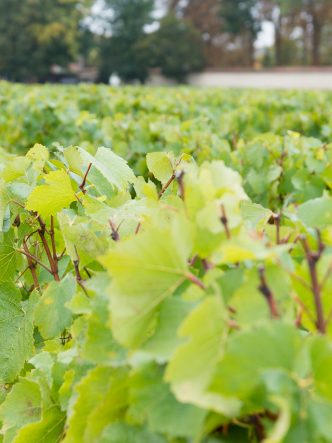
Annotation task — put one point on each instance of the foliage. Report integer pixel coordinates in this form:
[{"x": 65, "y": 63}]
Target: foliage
[
  {"x": 133, "y": 121},
  {"x": 34, "y": 35},
  {"x": 184, "y": 300},
  {"x": 118, "y": 51},
  {"x": 240, "y": 18},
  {"x": 175, "y": 48},
  {"x": 190, "y": 304}
]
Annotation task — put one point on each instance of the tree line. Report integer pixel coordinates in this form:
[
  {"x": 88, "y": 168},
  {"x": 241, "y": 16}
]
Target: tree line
[{"x": 130, "y": 37}]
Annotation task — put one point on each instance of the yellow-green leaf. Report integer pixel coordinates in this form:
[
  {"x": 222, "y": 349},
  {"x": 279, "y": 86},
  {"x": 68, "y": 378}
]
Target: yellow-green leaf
[{"x": 50, "y": 198}]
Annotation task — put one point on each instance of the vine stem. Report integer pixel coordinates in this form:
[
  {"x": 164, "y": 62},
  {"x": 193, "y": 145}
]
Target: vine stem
[
  {"x": 79, "y": 278},
  {"x": 312, "y": 259},
  {"x": 82, "y": 185},
  {"x": 179, "y": 177},
  {"x": 224, "y": 221},
  {"x": 34, "y": 259},
  {"x": 31, "y": 265},
  {"x": 52, "y": 235},
  {"x": 277, "y": 220},
  {"x": 168, "y": 183},
  {"x": 268, "y": 294},
  {"x": 195, "y": 280},
  {"x": 53, "y": 264}
]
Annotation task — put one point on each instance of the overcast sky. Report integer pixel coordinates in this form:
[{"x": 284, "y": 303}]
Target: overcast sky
[{"x": 266, "y": 36}]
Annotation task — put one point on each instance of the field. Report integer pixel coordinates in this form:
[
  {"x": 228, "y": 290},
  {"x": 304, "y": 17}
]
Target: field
[{"x": 165, "y": 265}]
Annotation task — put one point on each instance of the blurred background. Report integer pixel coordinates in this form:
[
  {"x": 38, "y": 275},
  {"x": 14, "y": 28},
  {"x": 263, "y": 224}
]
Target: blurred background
[{"x": 162, "y": 41}]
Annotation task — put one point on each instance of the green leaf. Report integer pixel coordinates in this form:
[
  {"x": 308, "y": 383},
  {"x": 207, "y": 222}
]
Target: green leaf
[
  {"x": 123, "y": 433},
  {"x": 51, "y": 314},
  {"x": 152, "y": 399},
  {"x": 4, "y": 200},
  {"x": 189, "y": 375},
  {"x": 82, "y": 237},
  {"x": 156, "y": 261},
  {"x": 55, "y": 195},
  {"x": 160, "y": 165},
  {"x": 8, "y": 256},
  {"x": 111, "y": 166},
  {"x": 22, "y": 405},
  {"x": 99, "y": 346},
  {"x": 48, "y": 430},
  {"x": 16, "y": 332},
  {"x": 111, "y": 408},
  {"x": 99, "y": 399},
  {"x": 321, "y": 361},
  {"x": 165, "y": 340},
  {"x": 88, "y": 392},
  {"x": 250, "y": 353},
  {"x": 39, "y": 155},
  {"x": 316, "y": 213},
  {"x": 255, "y": 215}
]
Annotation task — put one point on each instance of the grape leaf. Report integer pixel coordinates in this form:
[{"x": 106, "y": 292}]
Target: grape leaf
[
  {"x": 8, "y": 256},
  {"x": 51, "y": 314},
  {"x": 50, "y": 198},
  {"x": 156, "y": 261},
  {"x": 22, "y": 405},
  {"x": 160, "y": 165},
  {"x": 316, "y": 213},
  {"x": 152, "y": 399},
  {"x": 190, "y": 375},
  {"x": 16, "y": 332},
  {"x": 111, "y": 166},
  {"x": 122, "y": 432}
]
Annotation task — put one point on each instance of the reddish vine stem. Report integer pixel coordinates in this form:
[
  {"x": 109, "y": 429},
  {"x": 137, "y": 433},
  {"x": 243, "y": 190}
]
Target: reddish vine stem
[
  {"x": 31, "y": 265},
  {"x": 52, "y": 235},
  {"x": 195, "y": 280},
  {"x": 258, "y": 427},
  {"x": 115, "y": 231},
  {"x": 76, "y": 264},
  {"x": 34, "y": 259},
  {"x": 53, "y": 265},
  {"x": 224, "y": 221},
  {"x": 82, "y": 185},
  {"x": 267, "y": 293},
  {"x": 138, "y": 227},
  {"x": 192, "y": 260},
  {"x": 312, "y": 258},
  {"x": 169, "y": 182},
  {"x": 79, "y": 279},
  {"x": 277, "y": 220}
]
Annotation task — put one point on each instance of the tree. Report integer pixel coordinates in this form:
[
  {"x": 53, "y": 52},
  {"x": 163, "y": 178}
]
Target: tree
[
  {"x": 283, "y": 14},
  {"x": 319, "y": 16},
  {"x": 176, "y": 48},
  {"x": 118, "y": 52},
  {"x": 309, "y": 18},
  {"x": 36, "y": 34},
  {"x": 205, "y": 17},
  {"x": 240, "y": 20}
]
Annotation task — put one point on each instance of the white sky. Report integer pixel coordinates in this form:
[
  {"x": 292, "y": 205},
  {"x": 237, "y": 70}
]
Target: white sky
[{"x": 266, "y": 37}]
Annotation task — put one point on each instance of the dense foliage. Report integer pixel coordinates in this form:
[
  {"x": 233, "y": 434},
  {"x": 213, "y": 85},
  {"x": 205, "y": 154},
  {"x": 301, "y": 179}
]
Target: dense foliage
[
  {"x": 185, "y": 298},
  {"x": 36, "y": 34}
]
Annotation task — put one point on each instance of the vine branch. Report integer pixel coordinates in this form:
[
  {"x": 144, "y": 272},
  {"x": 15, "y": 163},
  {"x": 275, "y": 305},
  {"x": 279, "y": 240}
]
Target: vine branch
[
  {"x": 267, "y": 293},
  {"x": 312, "y": 258}
]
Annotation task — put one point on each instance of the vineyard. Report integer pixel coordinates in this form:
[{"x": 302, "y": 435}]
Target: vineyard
[{"x": 165, "y": 265}]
